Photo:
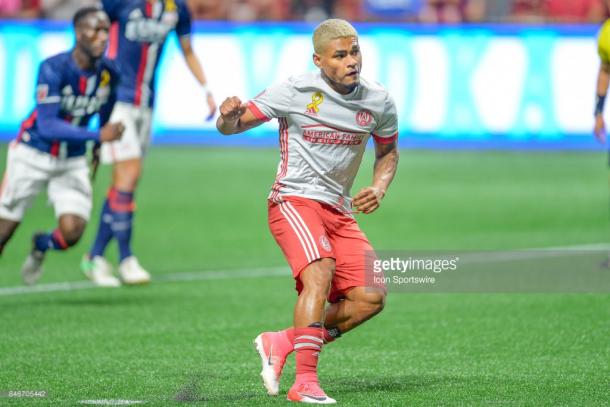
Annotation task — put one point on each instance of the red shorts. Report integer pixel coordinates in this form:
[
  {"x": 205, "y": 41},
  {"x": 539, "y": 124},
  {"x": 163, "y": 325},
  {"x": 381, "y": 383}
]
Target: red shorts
[{"x": 307, "y": 230}]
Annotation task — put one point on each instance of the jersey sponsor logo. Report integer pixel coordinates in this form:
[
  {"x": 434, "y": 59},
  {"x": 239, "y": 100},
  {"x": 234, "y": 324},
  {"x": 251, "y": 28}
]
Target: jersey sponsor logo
[
  {"x": 325, "y": 243},
  {"x": 321, "y": 134},
  {"x": 83, "y": 105},
  {"x": 364, "y": 118},
  {"x": 316, "y": 100},
  {"x": 142, "y": 29}
]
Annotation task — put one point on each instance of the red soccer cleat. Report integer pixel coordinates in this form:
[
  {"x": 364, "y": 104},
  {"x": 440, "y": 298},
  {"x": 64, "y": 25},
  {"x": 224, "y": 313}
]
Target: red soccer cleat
[
  {"x": 273, "y": 348},
  {"x": 309, "y": 392}
]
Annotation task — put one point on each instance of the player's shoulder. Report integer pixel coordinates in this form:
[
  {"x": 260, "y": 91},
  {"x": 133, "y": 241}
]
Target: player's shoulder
[
  {"x": 374, "y": 91},
  {"x": 306, "y": 81},
  {"x": 110, "y": 65},
  {"x": 58, "y": 60},
  {"x": 56, "y": 64}
]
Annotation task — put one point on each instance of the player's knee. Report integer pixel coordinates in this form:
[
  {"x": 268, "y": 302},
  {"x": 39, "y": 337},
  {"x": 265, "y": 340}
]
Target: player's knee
[
  {"x": 127, "y": 175},
  {"x": 318, "y": 276},
  {"x": 72, "y": 229},
  {"x": 374, "y": 303},
  {"x": 72, "y": 235}
]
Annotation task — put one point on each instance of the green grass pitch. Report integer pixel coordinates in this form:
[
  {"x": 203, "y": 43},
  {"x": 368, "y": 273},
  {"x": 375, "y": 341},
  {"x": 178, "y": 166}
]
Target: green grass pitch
[{"x": 219, "y": 280}]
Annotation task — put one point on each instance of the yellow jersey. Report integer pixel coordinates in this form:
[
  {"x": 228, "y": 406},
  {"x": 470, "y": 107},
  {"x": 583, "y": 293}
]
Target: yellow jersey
[{"x": 603, "y": 42}]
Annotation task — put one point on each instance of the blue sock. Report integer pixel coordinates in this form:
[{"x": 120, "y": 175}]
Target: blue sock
[
  {"x": 104, "y": 232},
  {"x": 122, "y": 206},
  {"x": 50, "y": 241}
]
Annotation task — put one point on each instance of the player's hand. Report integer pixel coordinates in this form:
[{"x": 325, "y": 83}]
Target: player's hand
[
  {"x": 111, "y": 132},
  {"x": 600, "y": 129},
  {"x": 232, "y": 109},
  {"x": 211, "y": 107},
  {"x": 367, "y": 200}
]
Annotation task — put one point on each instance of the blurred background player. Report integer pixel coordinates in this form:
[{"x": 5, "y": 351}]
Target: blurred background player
[
  {"x": 51, "y": 146},
  {"x": 603, "y": 79},
  {"x": 326, "y": 118},
  {"x": 142, "y": 29}
]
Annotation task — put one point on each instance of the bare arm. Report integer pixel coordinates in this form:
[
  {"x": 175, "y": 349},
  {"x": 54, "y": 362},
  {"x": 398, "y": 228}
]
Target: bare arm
[
  {"x": 197, "y": 70},
  {"x": 235, "y": 117},
  {"x": 386, "y": 162},
  {"x": 603, "y": 79}
]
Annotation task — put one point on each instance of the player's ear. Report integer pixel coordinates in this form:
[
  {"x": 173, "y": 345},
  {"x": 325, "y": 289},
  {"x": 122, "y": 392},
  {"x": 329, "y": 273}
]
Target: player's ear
[{"x": 316, "y": 60}]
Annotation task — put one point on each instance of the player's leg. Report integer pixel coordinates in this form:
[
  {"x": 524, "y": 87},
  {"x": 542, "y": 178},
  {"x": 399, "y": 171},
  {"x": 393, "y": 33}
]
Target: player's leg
[
  {"x": 7, "y": 229},
  {"x": 25, "y": 176},
  {"x": 359, "y": 305},
  {"x": 298, "y": 230},
  {"x": 69, "y": 191},
  {"x": 126, "y": 176},
  {"x": 354, "y": 297},
  {"x": 116, "y": 218},
  {"x": 308, "y": 331},
  {"x": 69, "y": 230}
]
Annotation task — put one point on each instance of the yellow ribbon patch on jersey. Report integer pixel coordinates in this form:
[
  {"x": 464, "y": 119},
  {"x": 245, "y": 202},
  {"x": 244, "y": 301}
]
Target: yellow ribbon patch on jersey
[
  {"x": 316, "y": 100},
  {"x": 105, "y": 80},
  {"x": 170, "y": 5}
]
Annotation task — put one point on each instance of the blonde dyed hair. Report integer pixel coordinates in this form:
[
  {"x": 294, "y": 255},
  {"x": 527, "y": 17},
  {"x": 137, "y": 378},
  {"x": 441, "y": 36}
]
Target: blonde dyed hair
[{"x": 329, "y": 30}]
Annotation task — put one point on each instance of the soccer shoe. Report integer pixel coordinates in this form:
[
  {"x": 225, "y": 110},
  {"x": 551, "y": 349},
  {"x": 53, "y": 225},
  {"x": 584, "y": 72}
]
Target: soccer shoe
[
  {"x": 32, "y": 267},
  {"x": 132, "y": 273},
  {"x": 273, "y": 358},
  {"x": 309, "y": 392},
  {"x": 99, "y": 271}
]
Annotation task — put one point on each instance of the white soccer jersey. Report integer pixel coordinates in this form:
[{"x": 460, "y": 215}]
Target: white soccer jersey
[{"x": 323, "y": 134}]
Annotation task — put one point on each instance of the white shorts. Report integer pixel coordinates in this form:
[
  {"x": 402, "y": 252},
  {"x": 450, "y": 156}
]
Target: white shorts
[
  {"x": 136, "y": 137},
  {"x": 29, "y": 171}
]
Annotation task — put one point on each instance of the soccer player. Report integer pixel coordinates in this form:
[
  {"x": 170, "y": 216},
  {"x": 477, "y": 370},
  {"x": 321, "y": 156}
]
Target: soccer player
[
  {"x": 603, "y": 79},
  {"x": 325, "y": 119},
  {"x": 143, "y": 26},
  {"x": 49, "y": 151}
]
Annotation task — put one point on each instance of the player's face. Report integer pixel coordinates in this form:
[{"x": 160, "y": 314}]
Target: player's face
[
  {"x": 92, "y": 34},
  {"x": 341, "y": 62}
]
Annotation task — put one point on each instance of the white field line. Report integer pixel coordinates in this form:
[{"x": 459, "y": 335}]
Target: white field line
[
  {"x": 472, "y": 257},
  {"x": 105, "y": 402},
  {"x": 168, "y": 278}
]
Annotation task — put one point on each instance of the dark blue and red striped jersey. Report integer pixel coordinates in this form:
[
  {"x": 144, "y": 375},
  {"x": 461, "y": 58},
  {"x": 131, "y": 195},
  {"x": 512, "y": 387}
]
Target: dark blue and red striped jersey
[
  {"x": 140, "y": 28},
  {"x": 67, "y": 97}
]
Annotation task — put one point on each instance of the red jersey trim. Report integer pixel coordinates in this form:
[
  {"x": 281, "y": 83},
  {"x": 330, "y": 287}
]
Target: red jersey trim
[
  {"x": 113, "y": 42},
  {"x": 385, "y": 140},
  {"x": 257, "y": 112}
]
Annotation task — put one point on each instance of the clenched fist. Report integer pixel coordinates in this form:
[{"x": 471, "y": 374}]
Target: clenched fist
[{"x": 232, "y": 109}]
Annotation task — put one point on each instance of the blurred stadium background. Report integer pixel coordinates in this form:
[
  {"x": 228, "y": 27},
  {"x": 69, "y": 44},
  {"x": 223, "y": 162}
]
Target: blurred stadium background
[{"x": 495, "y": 103}]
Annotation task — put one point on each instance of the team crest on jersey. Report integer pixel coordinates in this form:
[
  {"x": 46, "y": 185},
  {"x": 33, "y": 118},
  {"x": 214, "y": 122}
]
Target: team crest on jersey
[
  {"x": 364, "y": 118},
  {"x": 314, "y": 107},
  {"x": 325, "y": 243}
]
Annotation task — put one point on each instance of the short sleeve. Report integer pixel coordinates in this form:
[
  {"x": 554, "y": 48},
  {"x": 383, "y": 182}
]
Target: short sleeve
[
  {"x": 183, "y": 27},
  {"x": 386, "y": 131},
  {"x": 273, "y": 102},
  {"x": 111, "y": 7},
  {"x": 48, "y": 85}
]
